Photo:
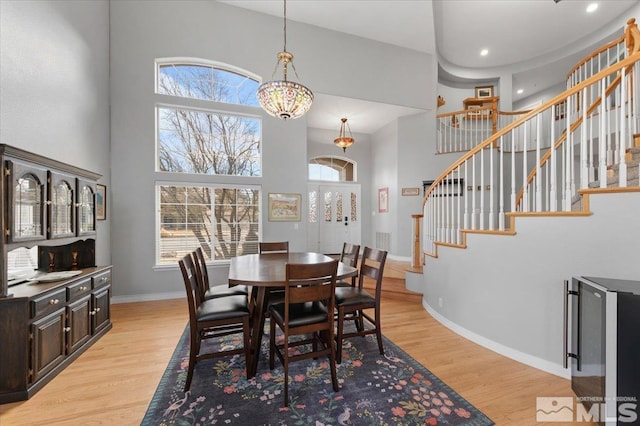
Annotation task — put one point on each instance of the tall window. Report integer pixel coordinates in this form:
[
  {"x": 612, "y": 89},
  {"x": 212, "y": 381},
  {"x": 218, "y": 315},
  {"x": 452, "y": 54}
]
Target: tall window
[{"x": 208, "y": 140}]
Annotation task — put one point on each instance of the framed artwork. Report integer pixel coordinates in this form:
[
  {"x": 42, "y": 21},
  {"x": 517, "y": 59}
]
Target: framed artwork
[
  {"x": 284, "y": 207},
  {"x": 484, "y": 91},
  {"x": 383, "y": 200},
  {"x": 101, "y": 202},
  {"x": 410, "y": 191}
]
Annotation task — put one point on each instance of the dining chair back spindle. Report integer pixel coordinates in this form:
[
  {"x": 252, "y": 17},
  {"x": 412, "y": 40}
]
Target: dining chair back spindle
[
  {"x": 307, "y": 310},
  {"x": 351, "y": 302},
  {"x": 211, "y": 319}
]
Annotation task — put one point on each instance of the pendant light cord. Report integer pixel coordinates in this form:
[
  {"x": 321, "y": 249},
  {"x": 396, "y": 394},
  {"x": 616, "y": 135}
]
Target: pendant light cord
[{"x": 285, "y": 25}]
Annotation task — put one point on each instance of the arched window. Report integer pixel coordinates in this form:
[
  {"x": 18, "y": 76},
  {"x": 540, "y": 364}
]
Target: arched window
[
  {"x": 333, "y": 169},
  {"x": 207, "y": 81}
]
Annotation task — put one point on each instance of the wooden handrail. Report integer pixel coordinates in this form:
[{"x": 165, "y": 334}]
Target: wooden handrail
[
  {"x": 543, "y": 160},
  {"x": 545, "y": 106},
  {"x": 524, "y": 111},
  {"x": 596, "y": 53}
]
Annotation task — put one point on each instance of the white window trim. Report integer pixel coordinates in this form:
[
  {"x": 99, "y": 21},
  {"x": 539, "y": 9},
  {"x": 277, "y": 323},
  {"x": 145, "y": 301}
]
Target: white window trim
[{"x": 160, "y": 266}]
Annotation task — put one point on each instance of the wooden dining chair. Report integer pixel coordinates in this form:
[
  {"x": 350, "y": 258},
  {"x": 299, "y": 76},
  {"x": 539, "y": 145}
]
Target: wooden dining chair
[
  {"x": 349, "y": 256},
  {"x": 207, "y": 292},
  {"x": 274, "y": 295},
  {"x": 307, "y": 310},
  {"x": 273, "y": 247},
  {"x": 211, "y": 319},
  {"x": 351, "y": 302}
]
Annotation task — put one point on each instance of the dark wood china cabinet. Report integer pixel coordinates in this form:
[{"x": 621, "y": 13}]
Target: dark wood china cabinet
[{"x": 54, "y": 300}]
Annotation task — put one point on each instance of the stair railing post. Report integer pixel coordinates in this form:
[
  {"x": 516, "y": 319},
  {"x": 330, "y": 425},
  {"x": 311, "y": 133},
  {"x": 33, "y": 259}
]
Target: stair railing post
[{"x": 416, "y": 258}]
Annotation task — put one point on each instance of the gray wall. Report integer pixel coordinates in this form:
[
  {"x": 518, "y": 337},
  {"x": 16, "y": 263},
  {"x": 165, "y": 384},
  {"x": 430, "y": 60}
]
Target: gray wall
[
  {"x": 507, "y": 290},
  {"x": 143, "y": 31},
  {"x": 54, "y": 74}
]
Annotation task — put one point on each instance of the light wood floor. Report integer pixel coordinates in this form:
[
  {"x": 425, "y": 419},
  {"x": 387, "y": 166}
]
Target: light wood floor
[{"x": 113, "y": 382}]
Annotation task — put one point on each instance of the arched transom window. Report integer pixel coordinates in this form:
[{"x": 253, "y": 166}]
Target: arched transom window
[{"x": 333, "y": 169}]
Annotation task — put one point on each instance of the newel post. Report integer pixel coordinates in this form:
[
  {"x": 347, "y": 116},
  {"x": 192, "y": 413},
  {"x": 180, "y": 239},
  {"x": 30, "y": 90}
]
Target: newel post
[
  {"x": 416, "y": 250},
  {"x": 632, "y": 37}
]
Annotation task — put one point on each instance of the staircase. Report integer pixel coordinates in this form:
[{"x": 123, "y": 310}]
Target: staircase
[{"x": 529, "y": 209}]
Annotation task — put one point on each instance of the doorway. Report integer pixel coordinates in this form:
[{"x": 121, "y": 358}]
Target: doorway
[{"x": 334, "y": 217}]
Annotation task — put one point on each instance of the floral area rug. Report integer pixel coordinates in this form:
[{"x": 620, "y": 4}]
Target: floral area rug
[{"x": 390, "y": 389}]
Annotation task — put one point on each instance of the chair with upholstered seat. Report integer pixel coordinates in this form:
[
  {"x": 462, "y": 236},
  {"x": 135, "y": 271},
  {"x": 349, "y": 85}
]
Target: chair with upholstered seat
[
  {"x": 307, "y": 310},
  {"x": 212, "y": 318},
  {"x": 351, "y": 302},
  {"x": 349, "y": 256},
  {"x": 208, "y": 292}
]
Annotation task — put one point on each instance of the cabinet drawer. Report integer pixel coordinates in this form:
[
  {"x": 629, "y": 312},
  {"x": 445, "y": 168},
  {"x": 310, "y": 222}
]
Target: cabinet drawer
[
  {"x": 101, "y": 279},
  {"x": 78, "y": 289},
  {"x": 48, "y": 303}
]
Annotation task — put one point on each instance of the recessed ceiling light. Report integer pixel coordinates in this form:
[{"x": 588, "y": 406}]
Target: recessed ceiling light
[
  {"x": 520, "y": 91},
  {"x": 592, "y": 7},
  {"x": 484, "y": 52}
]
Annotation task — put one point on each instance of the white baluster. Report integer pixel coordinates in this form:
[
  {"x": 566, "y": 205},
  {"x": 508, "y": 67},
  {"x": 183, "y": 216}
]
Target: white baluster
[
  {"x": 622, "y": 170},
  {"x": 553, "y": 205}
]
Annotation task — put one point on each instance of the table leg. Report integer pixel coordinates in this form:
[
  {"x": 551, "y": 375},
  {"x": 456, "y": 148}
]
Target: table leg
[{"x": 256, "y": 331}]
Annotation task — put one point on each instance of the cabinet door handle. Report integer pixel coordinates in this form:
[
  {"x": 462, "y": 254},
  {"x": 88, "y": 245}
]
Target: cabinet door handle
[
  {"x": 83, "y": 288},
  {"x": 67, "y": 329},
  {"x": 54, "y": 301},
  {"x": 97, "y": 309},
  {"x": 103, "y": 279},
  {"x": 92, "y": 313}
]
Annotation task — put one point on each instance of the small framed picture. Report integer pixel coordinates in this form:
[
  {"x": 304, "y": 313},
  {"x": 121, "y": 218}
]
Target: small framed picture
[
  {"x": 101, "y": 202},
  {"x": 410, "y": 191},
  {"x": 383, "y": 200},
  {"x": 284, "y": 207},
  {"x": 484, "y": 91}
]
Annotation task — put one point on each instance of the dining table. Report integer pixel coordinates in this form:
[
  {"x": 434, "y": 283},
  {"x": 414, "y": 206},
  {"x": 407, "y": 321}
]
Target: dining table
[{"x": 267, "y": 271}]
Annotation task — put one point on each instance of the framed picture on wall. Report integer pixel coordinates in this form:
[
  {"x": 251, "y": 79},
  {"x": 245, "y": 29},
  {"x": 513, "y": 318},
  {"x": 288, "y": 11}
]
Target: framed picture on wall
[
  {"x": 101, "y": 202},
  {"x": 383, "y": 200},
  {"x": 284, "y": 207},
  {"x": 484, "y": 91}
]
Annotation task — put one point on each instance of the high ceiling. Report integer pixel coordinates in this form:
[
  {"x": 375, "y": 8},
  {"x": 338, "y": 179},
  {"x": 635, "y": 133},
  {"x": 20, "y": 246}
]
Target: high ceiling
[{"x": 538, "y": 41}]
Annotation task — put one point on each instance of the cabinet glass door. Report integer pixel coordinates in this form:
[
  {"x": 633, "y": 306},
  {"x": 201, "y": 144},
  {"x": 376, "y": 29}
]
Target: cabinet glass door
[
  {"x": 61, "y": 217},
  {"x": 26, "y": 211},
  {"x": 86, "y": 208}
]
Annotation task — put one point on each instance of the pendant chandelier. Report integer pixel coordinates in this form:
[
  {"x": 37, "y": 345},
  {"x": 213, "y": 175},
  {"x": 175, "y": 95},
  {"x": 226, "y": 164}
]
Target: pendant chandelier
[
  {"x": 283, "y": 98},
  {"x": 344, "y": 141}
]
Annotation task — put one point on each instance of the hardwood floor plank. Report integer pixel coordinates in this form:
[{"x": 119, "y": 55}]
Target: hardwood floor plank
[{"x": 113, "y": 382}]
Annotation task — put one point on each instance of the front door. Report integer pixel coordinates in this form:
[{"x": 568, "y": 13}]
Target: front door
[{"x": 334, "y": 216}]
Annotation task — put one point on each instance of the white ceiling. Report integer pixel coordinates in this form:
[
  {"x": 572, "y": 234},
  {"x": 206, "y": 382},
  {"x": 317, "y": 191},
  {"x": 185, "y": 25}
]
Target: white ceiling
[{"x": 520, "y": 35}]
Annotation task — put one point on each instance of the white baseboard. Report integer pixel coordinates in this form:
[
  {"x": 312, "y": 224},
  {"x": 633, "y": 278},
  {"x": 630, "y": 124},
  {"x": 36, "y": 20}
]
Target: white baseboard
[
  {"x": 514, "y": 354},
  {"x": 148, "y": 297}
]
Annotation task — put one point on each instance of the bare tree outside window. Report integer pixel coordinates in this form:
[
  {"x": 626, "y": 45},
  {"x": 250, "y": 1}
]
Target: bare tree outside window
[{"x": 223, "y": 220}]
